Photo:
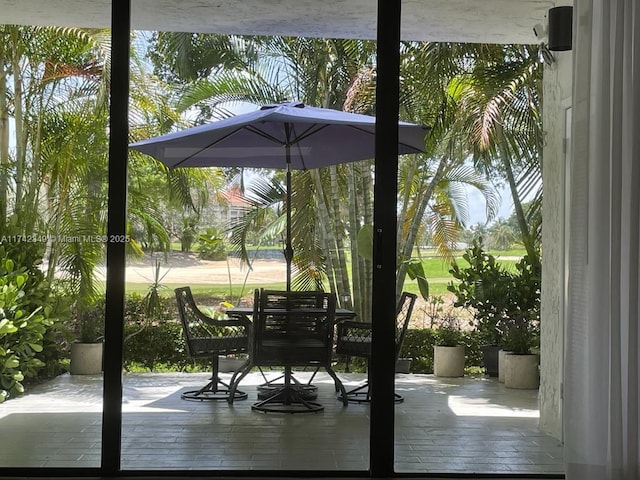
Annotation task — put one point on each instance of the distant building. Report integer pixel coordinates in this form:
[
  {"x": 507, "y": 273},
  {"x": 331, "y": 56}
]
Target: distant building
[{"x": 226, "y": 208}]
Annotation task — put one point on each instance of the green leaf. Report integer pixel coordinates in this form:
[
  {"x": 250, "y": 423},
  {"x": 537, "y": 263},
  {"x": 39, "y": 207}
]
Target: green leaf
[
  {"x": 36, "y": 347},
  {"x": 11, "y": 362},
  {"x": 7, "y": 326},
  {"x": 415, "y": 270}
]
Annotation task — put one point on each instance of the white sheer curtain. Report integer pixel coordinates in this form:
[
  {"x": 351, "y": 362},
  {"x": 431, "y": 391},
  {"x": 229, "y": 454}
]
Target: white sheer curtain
[{"x": 601, "y": 377}]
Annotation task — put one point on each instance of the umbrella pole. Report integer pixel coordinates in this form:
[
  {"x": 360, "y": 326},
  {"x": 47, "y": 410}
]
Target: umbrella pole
[{"x": 288, "y": 249}]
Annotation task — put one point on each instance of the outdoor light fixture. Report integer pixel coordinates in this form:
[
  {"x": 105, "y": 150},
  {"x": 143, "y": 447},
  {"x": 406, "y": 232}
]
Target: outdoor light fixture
[{"x": 560, "y": 28}]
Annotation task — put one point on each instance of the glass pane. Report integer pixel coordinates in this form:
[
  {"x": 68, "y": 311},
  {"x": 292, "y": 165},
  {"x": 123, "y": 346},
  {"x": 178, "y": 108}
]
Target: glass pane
[
  {"x": 464, "y": 411},
  {"x": 53, "y": 157},
  {"x": 191, "y": 224}
]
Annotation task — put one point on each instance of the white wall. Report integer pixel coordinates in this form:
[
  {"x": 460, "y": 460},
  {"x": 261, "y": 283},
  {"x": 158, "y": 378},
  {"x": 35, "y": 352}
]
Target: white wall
[{"x": 556, "y": 100}]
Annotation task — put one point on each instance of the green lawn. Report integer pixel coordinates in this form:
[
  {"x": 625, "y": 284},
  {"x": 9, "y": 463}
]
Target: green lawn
[
  {"x": 217, "y": 291},
  {"x": 436, "y": 270}
]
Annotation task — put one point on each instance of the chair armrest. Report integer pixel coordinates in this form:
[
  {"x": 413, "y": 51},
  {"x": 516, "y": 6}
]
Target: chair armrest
[
  {"x": 229, "y": 322},
  {"x": 347, "y": 325}
]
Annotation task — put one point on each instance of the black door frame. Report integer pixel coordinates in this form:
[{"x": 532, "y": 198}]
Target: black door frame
[
  {"x": 382, "y": 364},
  {"x": 385, "y": 218}
]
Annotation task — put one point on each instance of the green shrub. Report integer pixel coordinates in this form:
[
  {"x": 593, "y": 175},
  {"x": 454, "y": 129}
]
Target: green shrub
[
  {"x": 418, "y": 345},
  {"x": 156, "y": 343},
  {"x": 25, "y": 310},
  {"x": 160, "y": 343},
  {"x": 505, "y": 304},
  {"x": 212, "y": 245}
]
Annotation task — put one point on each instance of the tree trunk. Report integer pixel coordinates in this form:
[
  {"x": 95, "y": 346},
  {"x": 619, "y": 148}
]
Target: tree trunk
[
  {"x": 342, "y": 275},
  {"x": 527, "y": 239},
  {"x": 18, "y": 118},
  {"x": 325, "y": 224},
  {"x": 406, "y": 247},
  {"x": 354, "y": 227},
  {"x": 4, "y": 142},
  {"x": 366, "y": 182}
]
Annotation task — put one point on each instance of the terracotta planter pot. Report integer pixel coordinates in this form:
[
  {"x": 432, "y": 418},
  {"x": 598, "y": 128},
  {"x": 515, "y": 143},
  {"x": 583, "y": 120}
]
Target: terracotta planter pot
[
  {"x": 86, "y": 358},
  {"x": 521, "y": 371},
  {"x": 448, "y": 361}
]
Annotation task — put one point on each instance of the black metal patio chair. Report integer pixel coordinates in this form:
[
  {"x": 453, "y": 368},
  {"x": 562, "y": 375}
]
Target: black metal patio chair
[
  {"x": 292, "y": 329},
  {"x": 209, "y": 337},
  {"x": 353, "y": 339}
]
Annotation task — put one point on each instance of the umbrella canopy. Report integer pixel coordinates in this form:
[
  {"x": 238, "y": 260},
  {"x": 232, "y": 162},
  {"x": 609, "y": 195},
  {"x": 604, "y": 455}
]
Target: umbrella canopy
[
  {"x": 287, "y": 135},
  {"x": 314, "y": 137}
]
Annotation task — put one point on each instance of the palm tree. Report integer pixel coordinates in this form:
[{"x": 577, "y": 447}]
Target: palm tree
[
  {"x": 318, "y": 72},
  {"x": 502, "y": 236},
  {"x": 500, "y": 99},
  {"x": 337, "y": 201},
  {"x": 54, "y": 84},
  {"x": 431, "y": 186}
]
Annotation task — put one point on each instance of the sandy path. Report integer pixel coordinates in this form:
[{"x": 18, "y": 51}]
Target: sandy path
[{"x": 189, "y": 269}]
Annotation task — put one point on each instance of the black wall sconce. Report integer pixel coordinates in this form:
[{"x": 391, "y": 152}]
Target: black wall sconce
[{"x": 560, "y": 28}]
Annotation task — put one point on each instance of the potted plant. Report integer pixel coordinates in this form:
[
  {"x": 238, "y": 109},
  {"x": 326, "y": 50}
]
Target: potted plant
[
  {"x": 448, "y": 355},
  {"x": 482, "y": 288},
  {"x": 86, "y": 351},
  {"x": 522, "y": 327},
  {"x": 521, "y": 360}
]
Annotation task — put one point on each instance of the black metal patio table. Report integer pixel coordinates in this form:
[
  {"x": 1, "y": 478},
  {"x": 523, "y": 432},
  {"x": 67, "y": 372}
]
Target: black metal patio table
[{"x": 272, "y": 391}]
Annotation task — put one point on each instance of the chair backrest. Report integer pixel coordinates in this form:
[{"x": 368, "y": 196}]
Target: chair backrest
[
  {"x": 293, "y": 328},
  {"x": 403, "y": 316},
  {"x": 204, "y": 335},
  {"x": 354, "y": 337}
]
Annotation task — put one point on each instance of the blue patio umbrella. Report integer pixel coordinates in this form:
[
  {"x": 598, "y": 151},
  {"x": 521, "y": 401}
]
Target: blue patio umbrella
[{"x": 287, "y": 135}]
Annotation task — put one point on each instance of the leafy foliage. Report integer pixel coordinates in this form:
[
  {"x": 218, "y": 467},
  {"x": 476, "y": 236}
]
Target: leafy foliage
[
  {"x": 483, "y": 287},
  {"x": 88, "y": 324},
  {"x": 523, "y": 324},
  {"x": 505, "y": 305},
  {"x": 212, "y": 245},
  {"x": 161, "y": 344},
  {"x": 24, "y": 315}
]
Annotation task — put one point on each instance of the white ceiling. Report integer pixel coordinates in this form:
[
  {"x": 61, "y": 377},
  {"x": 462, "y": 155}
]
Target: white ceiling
[{"x": 486, "y": 21}]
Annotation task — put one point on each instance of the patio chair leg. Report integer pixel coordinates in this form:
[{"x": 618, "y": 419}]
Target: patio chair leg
[
  {"x": 235, "y": 381},
  {"x": 211, "y": 391},
  {"x": 359, "y": 394},
  {"x": 339, "y": 386},
  {"x": 362, "y": 394}
]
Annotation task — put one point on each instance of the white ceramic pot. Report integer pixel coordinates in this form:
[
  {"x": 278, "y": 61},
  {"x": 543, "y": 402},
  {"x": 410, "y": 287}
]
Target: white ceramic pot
[
  {"x": 448, "y": 361},
  {"x": 521, "y": 371},
  {"x": 501, "y": 355},
  {"x": 229, "y": 364},
  {"x": 86, "y": 358}
]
